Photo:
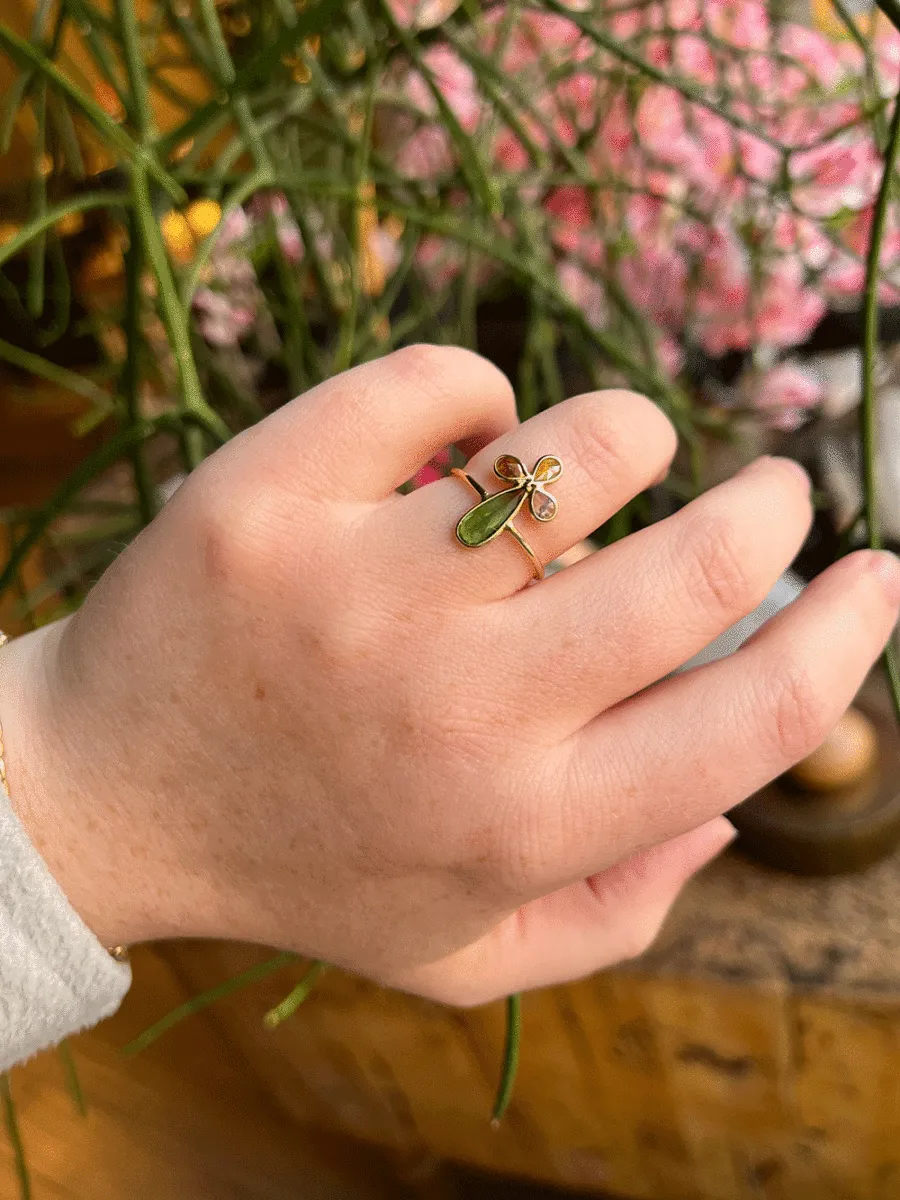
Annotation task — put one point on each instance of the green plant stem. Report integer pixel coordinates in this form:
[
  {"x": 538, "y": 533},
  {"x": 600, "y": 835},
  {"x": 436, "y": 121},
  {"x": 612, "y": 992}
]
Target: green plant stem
[
  {"x": 87, "y": 471},
  {"x": 77, "y": 204},
  {"x": 197, "y": 1003},
  {"x": 242, "y": 192},
  {"x": 37, "y": 254},
  {"x": 867, "y": 410},
  {"x": 15, "y": 1137},
  {"x": 848, "y": 20},
  {"x": 294, "y": 999},
  {"x": 347, "y": 337},
  {"x": 72, "y": 1080},
  {"x": 226, "y": 76},
  {"x": 136, "y": 67},
  {"x": 473, "y": 168},
  {"x": 131, "y": 374},
  {"x": 44, "y": 369},
  {"x": 256, "y": 74},
  {"x": 18, "y": 48},
  {"x": 510, "y": 1058},
  {"x": 174, "y": 315},
  {"x": 597, "y": 33}
]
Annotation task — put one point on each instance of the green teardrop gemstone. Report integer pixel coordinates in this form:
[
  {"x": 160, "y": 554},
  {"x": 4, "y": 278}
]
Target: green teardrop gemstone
[{"x": 486, "y": 520}]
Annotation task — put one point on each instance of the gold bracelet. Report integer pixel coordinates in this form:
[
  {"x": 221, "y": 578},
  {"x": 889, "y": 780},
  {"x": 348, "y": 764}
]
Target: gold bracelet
[{"x": 119, "y": 953}]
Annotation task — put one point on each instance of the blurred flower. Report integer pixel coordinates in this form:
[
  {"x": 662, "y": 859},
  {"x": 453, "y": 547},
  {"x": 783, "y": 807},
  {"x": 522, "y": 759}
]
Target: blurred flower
[
  {"x": 203, "y": 216},
  {"x": 435, "y": 469},
  {"x": 423, "y": 14},
  {"x": 177, "y": 235},
  {"x": 785, "y": 394},
  {"x": 220, "y": 321}
]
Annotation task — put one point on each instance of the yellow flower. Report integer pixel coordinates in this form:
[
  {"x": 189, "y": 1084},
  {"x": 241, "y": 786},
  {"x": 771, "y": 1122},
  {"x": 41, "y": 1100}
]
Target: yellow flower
[
  {"x": 102, "y": 266},
  {"x": 240, "y": 25},
  {"x": 203, "y": 216},
  {"x": 70, "y": 224},
  {"x": 177, "y": 235}
]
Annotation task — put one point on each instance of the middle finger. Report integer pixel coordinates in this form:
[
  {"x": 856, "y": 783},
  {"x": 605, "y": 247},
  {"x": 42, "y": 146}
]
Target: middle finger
[{"x": 626, "y": 616}]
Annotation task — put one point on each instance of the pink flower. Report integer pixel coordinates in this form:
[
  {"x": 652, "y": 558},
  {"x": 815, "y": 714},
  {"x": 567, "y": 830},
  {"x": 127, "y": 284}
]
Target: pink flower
[
  {"x": 759, "y": 159},
  {"x": 693, "y": 57},
  {"x": 841, "y": 174},
  {"x": 510, "y": 154},
  {"x": 426, "y": 154},
  {"x": 660, "y": 123},
  {"x": 439, "y": 259},
  {"x": 785, "y": 393},
  {"x": 537, "y": 36},
  {"x": 744, "y": 23},
  {"x": 268, "y": 204},
  {"x": 433, "y": 470},
  {"x": 616, "y": 131},
  {"x": 220, "y": 322},
  {"x": 571, "y": 209},
  {"x": 670, "y": 354},
  {"x": 788, "y": 309},
  {"x": 423, "y": 14},
  {"x": 887, "y": 58},
  {"x": 656, "y": 282},
  {"x": 816, "y": 53},
  {"x": 584, "y": 290},
  {"x": 290, "y": 240},
  {"x": 234, "y": 227},
  {"x": 454, "y": 80}
]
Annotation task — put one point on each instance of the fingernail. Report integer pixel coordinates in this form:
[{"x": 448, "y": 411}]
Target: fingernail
[
  {"x": 768, "y": 461},
  {"x": 887, "y": 567}
]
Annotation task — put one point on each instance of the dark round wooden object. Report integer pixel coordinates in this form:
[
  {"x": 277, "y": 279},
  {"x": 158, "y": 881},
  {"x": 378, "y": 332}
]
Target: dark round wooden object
[{"x": 828, "y": 833}]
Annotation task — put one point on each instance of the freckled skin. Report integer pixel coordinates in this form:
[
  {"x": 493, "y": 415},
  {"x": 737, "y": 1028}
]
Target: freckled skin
[{"x": 296, "y": 711}]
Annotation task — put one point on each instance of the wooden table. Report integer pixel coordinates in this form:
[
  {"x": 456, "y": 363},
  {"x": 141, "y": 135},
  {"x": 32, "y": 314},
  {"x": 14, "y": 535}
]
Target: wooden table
[{"x": 755, "y": 1052}]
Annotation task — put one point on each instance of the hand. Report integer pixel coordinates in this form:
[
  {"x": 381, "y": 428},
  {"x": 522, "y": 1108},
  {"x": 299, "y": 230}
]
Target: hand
[{"x": 296, "y": 711}]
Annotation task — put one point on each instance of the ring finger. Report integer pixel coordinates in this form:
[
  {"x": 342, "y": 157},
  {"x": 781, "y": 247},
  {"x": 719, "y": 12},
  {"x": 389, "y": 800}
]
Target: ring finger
[{"x": 612, "y": 445}]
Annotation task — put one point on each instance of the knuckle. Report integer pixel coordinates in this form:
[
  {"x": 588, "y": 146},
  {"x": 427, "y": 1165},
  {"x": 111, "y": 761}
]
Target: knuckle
[
  {"x": 718, "y": 577},
  {"x": 239, "y": 526},
  {"x": 228, "y": 558},
  {"x": 599, "y": 440},
  {"x": 800, "y": 713},
  {"x": 438, "y": 370}
]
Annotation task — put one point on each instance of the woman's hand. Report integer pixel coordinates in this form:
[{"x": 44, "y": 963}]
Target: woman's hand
[{"x": 296, "y": 711}]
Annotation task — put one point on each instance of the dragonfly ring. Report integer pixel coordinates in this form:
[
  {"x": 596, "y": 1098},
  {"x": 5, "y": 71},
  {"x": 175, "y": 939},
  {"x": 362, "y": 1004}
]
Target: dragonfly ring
[{"x": 493, "y": 515}]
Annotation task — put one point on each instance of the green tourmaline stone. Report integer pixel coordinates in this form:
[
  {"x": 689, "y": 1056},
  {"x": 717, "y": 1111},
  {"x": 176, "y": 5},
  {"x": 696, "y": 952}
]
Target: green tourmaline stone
[{"x": 487, "y": 519}]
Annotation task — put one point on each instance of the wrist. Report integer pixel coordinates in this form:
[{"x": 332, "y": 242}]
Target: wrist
[{"x": 49, "y": 786}]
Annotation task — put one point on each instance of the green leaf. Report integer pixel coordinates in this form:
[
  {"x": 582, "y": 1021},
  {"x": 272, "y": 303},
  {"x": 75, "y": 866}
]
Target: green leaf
[
  {"x": 294, "y": 999},
  {"x": 510, "y": 1057},
  {"x": 15, "y": 1137},
  {"x": 219, "y": 992}
]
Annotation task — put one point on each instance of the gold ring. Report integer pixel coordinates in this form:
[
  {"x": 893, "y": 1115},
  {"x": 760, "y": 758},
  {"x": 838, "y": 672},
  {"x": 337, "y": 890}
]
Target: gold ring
[{"x": 493, "y": 515}]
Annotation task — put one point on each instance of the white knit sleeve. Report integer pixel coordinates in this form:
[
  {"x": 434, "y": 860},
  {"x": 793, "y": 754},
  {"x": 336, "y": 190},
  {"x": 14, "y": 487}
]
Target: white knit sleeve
[{"x": 55, "y": 976}]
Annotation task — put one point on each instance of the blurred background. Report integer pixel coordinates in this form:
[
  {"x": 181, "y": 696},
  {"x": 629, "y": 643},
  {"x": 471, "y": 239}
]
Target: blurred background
[{"x": 208, "y": 206}]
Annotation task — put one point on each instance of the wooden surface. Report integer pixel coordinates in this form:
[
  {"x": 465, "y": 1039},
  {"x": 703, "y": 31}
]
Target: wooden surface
[{"x": 636, "y": 1084}]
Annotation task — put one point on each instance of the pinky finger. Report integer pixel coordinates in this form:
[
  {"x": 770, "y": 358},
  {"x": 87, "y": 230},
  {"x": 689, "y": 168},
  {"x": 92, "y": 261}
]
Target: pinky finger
[{"x": 605, "y": 919}]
